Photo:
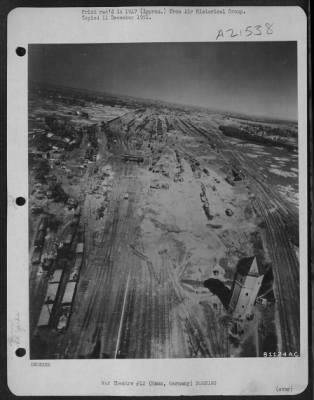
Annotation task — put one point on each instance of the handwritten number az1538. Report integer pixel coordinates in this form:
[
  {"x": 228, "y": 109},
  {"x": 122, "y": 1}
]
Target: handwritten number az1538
[{"x": 249, "y": 30}]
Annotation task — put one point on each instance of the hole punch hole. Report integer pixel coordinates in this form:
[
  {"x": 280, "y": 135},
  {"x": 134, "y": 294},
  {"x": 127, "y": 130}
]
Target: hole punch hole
[
  {"x": 20, "y": 352},
  {"x": 20, "y": 201},
  {"x": 20, "y": 51}
]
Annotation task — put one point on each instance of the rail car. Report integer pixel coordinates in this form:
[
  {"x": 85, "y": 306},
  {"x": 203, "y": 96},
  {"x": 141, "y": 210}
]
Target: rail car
[
  {"x": 130, "y": 157},
  {"x": 207, "y": 211},
  {"x": 68, "y": 239},
  {"x": 47, "y": 263},
  {"x": 40, "y": 238},
  {"x": 203, "y": 197},
  {"x": 36, "y": 257},
  {"x": 77, "y": 211},
  {"x": 69, "y": 293},
  {"x": 78, "y": 262},
  {"x": 43, "y": 224},
  {"x": 56, "y": 276},
  {"x": 74, "y": 275},
  {"x": 76, "y": 268},
  {"x": 65, "y": 313},
  {"x": 79, "y": 248},
  {"x": 41, "y": 232},
  {"x": 52, "y": 292},
  {"x": 44, "y": 316},
  {"x": 71, "y": 233}
]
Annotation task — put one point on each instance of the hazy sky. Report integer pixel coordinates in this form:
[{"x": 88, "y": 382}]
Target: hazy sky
[{"x": 250, "y": 78}]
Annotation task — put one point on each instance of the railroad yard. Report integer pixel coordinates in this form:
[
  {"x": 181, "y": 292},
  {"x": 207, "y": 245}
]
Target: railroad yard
[{"x": 134, "y": 205}]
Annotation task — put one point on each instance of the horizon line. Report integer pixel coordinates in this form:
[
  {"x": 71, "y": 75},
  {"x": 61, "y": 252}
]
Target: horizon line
[{"x": 235, "y": 113}]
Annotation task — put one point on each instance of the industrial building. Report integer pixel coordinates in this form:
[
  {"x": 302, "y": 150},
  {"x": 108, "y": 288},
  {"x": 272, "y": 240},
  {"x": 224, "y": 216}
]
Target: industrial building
[{"x": 246, "y": 285}]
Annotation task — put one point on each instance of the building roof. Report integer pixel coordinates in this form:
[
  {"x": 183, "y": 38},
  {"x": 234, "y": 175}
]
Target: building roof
[
  {"x": 69, "y": 292},
  {"x": 249, "y": 266}
]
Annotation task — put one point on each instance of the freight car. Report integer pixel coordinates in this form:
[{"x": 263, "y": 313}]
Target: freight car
[
  {"x": 57, "y": 276},
  {"x": 69, "y": 293},
  {"x": 41, "y": 232},
  {"x": 43, "y": 224},
  {"x": 79, "y": 248},
  {"x": 44, "y": 317},
  {"x": 207, "y": 211},
  {"x": 52, "y": 292},
  {"x": 36, "y": 257},
  {"x": 71, "y": 232},
  {"x": 47, "y": 263},
  {"x": 64, "y": 318},
  {"x": 40, "y": 238},
  {"x": 130, "y": 157}
]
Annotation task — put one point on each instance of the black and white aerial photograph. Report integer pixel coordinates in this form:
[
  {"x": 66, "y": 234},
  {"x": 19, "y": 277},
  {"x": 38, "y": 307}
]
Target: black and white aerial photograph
[{"x": 163, "y": 200}]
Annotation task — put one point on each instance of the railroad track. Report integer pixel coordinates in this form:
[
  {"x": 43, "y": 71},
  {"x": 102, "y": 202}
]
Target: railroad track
[
  {"x": 127, "y": 334},
  {"x": 286, "y": 279},
  {"x": 129, "y": 307},
  {"x": 285, "y": 263}
]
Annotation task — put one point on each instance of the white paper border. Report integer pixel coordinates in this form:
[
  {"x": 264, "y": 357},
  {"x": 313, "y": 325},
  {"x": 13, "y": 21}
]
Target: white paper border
[{"x": 234, "y": 376}]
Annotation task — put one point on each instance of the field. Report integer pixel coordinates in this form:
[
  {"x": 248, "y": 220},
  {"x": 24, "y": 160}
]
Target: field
[{"x": 134, "y": 205}]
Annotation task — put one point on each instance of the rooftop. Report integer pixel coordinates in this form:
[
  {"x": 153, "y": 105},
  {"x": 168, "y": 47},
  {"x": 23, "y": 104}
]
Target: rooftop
[{"x": 249, "y": 266}]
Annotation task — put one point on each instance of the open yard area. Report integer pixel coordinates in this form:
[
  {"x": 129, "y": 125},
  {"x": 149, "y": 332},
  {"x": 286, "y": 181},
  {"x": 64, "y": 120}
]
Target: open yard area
[{"x": 134, "y": 206}]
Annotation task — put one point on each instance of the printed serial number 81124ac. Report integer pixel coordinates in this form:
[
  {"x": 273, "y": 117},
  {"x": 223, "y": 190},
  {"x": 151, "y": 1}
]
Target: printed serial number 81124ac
[
  {"x": 281, "y": 354},
  {"x": 249, "y": 30}
]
